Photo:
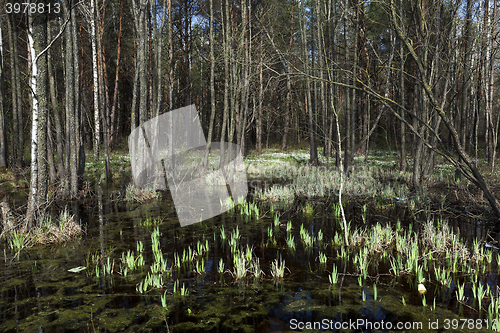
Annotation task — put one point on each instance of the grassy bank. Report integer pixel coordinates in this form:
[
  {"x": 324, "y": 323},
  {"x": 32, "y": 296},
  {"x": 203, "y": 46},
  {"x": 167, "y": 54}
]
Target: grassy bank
[{"x": 280, "y": 178}]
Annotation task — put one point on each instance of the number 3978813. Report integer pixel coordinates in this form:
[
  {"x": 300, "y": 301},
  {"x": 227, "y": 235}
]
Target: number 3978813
[{"x": 32, "y": 8}]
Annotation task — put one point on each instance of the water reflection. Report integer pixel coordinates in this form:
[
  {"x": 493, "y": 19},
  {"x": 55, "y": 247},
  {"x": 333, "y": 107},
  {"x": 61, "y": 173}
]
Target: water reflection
[{"x": 48, "y": 298}]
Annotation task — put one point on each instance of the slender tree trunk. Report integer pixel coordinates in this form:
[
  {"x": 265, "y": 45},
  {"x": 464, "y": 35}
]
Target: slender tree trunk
[
  {"x": 313, "y": 159},
  {"x": 40, "y": 31},
  {"x": 487, "y": 91},
  {"x": 33, "y": 192},
  {"x": 77, "y": 150},
  {"x": 170, "y": 57},
  {"x": 150, "y": 56},
  {"x": 226, "y": 77},
  {"x": 17, "y": 114},
  {"x": 37, "y": 30},
  {"x": 3, "y": 157},
  {"x": 187, "y": 66},
  {"x": 69, "y": 101},
  {"x": 320, "y": 74},
  {"x": 117, "y": 77},
  {"x": 402, "y": 94},
  {"x": 334, "y": 91},
  {"x": 170, "y": 72},
  {"x": 347, "y": 154},
  {"x": 489, "y": 83},
  {"x": 50, "y": 152},
  {"x": 139, "y": 9},
  {"x": 142, "y": 58},
  {"x": 212, "y": 84},
  {"x": 133, "y": 116},
  {"x": 247, "y": 38},
  {"x": 95, "y": 72},
  {"x": 288, "y": 83},
  {"x": 103, "y": 92},
  {"x": 355, "y": 72},
  {"x": 158, "y": 62},
  {"x": 53, "y": 110},
  {"x": 235, "y": 86},
  {"x": 331, "y": 77},
  {"x": 261, "y": 93}
]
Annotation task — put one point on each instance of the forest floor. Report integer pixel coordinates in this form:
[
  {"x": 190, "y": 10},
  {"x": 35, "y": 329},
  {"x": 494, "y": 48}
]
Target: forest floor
[
  {"x": 280, "y": 177},
  {"x": 375, "y": 179}
]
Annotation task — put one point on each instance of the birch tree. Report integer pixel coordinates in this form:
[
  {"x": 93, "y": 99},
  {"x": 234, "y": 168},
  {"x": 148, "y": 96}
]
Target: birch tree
[
  {"x": 92, "y": 17},
  {"x": 37, "y": 30}
]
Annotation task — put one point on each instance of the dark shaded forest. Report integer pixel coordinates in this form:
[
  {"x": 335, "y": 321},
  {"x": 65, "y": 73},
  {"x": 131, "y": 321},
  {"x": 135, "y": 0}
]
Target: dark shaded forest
[{"x": 340, "y": 76}]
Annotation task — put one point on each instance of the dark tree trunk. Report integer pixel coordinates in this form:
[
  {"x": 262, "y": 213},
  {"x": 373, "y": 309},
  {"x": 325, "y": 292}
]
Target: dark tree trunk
[
  {"x": 3, "y": 152},
  {"x": 17, "y": 114}
]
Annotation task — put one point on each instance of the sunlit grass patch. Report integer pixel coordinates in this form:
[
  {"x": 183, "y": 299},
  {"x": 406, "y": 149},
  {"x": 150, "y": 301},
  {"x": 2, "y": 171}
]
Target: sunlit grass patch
[
  {"x": 324, "y": 181},
  {"x": 278, "y": 269},
  {"x": 62, "y": 230},
  {"x": 46, "y": 231},
  {"x": 277, "y": 193},
  {"x": 141, "y": 195}
]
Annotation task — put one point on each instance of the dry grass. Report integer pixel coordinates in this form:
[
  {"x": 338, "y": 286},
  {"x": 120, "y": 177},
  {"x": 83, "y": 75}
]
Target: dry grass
[
  {"x": 141, "y": 195},
  {"x": 66, "y": 229},
  {"x": 46, "y": 231},
  {"x": 441, "y": 239}
]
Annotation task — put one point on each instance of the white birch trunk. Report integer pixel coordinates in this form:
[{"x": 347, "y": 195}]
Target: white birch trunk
[
  {"x": 32, "y": 202},
  {"x": 93, "y": 33}
]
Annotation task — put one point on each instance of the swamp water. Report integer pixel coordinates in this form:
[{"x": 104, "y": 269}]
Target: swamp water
[{"x": 223, "y": 274}]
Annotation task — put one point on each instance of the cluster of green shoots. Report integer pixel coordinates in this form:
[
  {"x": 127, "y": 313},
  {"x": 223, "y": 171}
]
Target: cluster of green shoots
[
  {"x": 481, "y": 292},
  {"x": 249, "y": 210},
  {"x": 159, "y": 264},
  {"x": 290, "y": 240},
  {"x": 152, "y": 280},
  {"x": 434, "y": 256},
  {"x": 159, "y": 267},
  {"x": 150, "y": 222},
  {"x": 278, "y": 268},
  {"x": 244, "y": 261},
  {"x": 178, "y": 290},
  {"x": 306, "y": 238},
  {"x": 99, "y": 265},
  {"x": 189, "y": 256},
  {"x": 244, "y": 264},
  {"x": 16, "y": 241},
  {"x": 362, "y": 260},
  {"x": 272, "y": 230},
  {"x": 308, "y": 210},
  {"x": 334, "y": 276},
  {"x": 227, "y": 205},
  {"x": 131, "y": 261}
]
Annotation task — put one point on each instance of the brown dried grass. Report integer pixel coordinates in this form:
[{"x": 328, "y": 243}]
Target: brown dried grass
[
  {"x": 56, "y": 233},
  {"x": 46, "y": 232},
  {"x": 140, "y": 195}
]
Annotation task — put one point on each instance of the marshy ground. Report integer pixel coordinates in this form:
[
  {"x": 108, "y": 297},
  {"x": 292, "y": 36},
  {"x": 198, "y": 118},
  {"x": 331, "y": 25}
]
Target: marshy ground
[{"x": 280, "y": 257}]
